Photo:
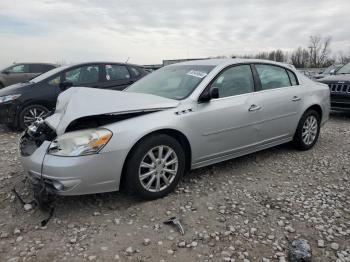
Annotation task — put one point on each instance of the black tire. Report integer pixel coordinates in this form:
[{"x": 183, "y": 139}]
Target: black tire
[
  {"x": 298, "y": 140},
  {"x": 22, "y": 123},
  {"x": 132, "y": 181}
]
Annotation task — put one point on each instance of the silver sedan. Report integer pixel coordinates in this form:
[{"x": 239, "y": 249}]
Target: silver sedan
[{"x": 181, "y": 117}]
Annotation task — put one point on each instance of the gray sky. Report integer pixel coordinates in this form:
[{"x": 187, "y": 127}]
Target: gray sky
[{"x": 150, "y": 31}]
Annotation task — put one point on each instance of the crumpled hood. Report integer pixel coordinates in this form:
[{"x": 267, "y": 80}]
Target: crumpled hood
[
  {"x": 336, "y": 78},
  {"x": 78, "y": 102}
]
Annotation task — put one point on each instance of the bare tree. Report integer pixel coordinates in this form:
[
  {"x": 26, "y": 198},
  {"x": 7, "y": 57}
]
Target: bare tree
[
  {"x": 300, "y": 58},
  {"x": 319, "y": 50},
  {"x": 344, "y": 58}
]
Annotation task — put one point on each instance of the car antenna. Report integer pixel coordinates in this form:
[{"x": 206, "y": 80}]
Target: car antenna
[{"x": 127, "y": 60}]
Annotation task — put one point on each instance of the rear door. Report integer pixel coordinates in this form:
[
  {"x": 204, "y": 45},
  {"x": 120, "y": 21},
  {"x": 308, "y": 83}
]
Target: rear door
[
  {"x": 278, "y": 103},
  {"x": 116, "y": 77}
]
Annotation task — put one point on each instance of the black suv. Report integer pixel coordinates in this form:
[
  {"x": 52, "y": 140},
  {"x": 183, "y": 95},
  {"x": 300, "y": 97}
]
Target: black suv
[
  {"x": 23, "y": 103},
  {"x": 339, "y": 86},
  {"x": 22, "y": 72}
]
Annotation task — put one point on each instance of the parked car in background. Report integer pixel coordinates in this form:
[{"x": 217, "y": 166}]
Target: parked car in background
[
  {"x": 22, "y": 72},
  {"x": 180, "y": 117},
  {"x": 306, "y": 73},
  {"x": 23, "y": 103},
  {"x": 331, "y": 70},
  {"x": 339, "y": 86}
]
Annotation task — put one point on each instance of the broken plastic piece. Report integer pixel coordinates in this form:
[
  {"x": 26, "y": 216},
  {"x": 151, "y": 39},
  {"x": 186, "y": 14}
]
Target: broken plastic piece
[{"x": 175, "y": 221}]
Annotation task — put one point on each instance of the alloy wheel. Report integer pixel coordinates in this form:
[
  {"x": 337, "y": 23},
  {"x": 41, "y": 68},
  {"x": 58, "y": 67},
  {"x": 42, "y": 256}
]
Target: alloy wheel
[
  {"x": 32, "y": 114},
  {"x": 310, "y": 129},
  {"x": 158, "y": 168}
]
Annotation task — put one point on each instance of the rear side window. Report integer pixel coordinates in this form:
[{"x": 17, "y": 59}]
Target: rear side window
[
  {"x": 272, "y": 76},
  {"x": 292, "y": 78},
  {"x": 235, "y": 80},
  {"x": 40, "y": 68},
  {"x": 116, "y": 72},
  {"x": 83, "y": 75},
  {"x": 136, "y": 71}
]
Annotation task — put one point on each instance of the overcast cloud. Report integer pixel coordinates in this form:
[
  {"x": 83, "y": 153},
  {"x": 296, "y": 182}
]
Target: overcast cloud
[{"x": 150, "y": 31}]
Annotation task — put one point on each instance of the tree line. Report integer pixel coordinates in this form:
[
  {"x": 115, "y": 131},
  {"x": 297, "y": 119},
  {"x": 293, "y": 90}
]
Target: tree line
[{"x": 316, "y": 55}]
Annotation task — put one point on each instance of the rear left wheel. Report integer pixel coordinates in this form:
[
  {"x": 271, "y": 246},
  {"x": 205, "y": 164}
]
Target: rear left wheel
[
  {"x": 155, "y": 167},
  {"x": 308, "y": 130}
]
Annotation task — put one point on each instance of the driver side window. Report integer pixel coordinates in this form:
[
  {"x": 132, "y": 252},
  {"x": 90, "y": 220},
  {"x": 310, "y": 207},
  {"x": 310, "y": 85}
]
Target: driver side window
[{"x": 234, "y": 81}]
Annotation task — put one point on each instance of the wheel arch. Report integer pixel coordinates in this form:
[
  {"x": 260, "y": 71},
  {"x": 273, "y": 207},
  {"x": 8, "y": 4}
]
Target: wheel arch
[
  {"x": 176, "y": 134},
  {"x": 317, "y": 108}
]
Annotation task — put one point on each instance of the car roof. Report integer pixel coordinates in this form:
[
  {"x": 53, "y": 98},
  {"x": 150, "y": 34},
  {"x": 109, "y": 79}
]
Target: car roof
[
  {"x": 230, "y": 61},
  {"x": 34, "y": 63},
  {"x": 101, "y": 62}
]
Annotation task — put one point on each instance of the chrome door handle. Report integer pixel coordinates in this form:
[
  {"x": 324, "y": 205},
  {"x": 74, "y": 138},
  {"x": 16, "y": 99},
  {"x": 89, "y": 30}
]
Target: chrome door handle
[
  {"x": 254, "y": 108},
  {"x": 296, "y": 98}
]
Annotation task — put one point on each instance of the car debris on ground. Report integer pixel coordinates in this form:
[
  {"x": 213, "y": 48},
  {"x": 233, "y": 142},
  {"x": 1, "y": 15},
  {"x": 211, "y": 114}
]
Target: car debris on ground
[{"x": 248, "y": 209}]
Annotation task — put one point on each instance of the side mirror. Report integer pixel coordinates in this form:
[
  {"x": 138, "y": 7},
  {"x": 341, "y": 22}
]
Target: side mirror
[
  {"x": 6, "y": 72},
  {"x": 214, "y": 92},
  {"x": 65, "y": 85},
  {"x": 332, "y": 72},
  {"x": 211, "y": 94}
]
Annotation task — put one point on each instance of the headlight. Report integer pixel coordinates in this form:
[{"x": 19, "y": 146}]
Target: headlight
[
  {"x": 4, "y": 99},
  {"x": 79, "y": 143}
]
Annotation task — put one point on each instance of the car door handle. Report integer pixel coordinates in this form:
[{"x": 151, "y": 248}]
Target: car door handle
[
  {"x": 254, "y": 108},
  {"x": 296, "y": 98}
]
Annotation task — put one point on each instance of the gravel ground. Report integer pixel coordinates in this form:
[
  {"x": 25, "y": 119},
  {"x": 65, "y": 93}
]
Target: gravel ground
[{"x": 247, "y": 209}]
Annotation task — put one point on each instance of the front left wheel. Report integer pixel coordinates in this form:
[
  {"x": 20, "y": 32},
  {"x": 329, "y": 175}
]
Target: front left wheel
[
  {"x": 155, "y": 167},
  {"x": 30, "y": 114}
]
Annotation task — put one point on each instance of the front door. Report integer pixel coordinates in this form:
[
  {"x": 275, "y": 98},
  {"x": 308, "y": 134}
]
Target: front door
[{"x": 224, "y": 127}]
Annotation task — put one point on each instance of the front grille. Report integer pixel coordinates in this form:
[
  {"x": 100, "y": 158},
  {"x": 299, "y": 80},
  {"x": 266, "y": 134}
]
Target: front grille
[{"x": 339, "y": 88}]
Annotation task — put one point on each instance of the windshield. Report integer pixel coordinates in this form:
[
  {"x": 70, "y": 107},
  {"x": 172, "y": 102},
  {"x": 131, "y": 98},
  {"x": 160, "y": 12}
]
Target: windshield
[
  {"x": 47, "y": 74},
  {"x": 328, "y": 69},
  {"x": 344, "y": 70},
  {"x": 174, "y": 82}
]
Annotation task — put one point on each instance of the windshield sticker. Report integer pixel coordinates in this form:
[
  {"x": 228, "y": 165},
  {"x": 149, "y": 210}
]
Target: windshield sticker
[{"x": 198, "y": 74}]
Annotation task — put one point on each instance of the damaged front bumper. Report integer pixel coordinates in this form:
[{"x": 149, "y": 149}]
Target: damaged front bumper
[{"x": 71, "y": 175}]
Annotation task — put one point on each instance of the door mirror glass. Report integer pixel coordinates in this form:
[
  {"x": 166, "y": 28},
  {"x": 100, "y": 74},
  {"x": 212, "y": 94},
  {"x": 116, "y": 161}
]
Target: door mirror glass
[{"x": 65, "y": 85}]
